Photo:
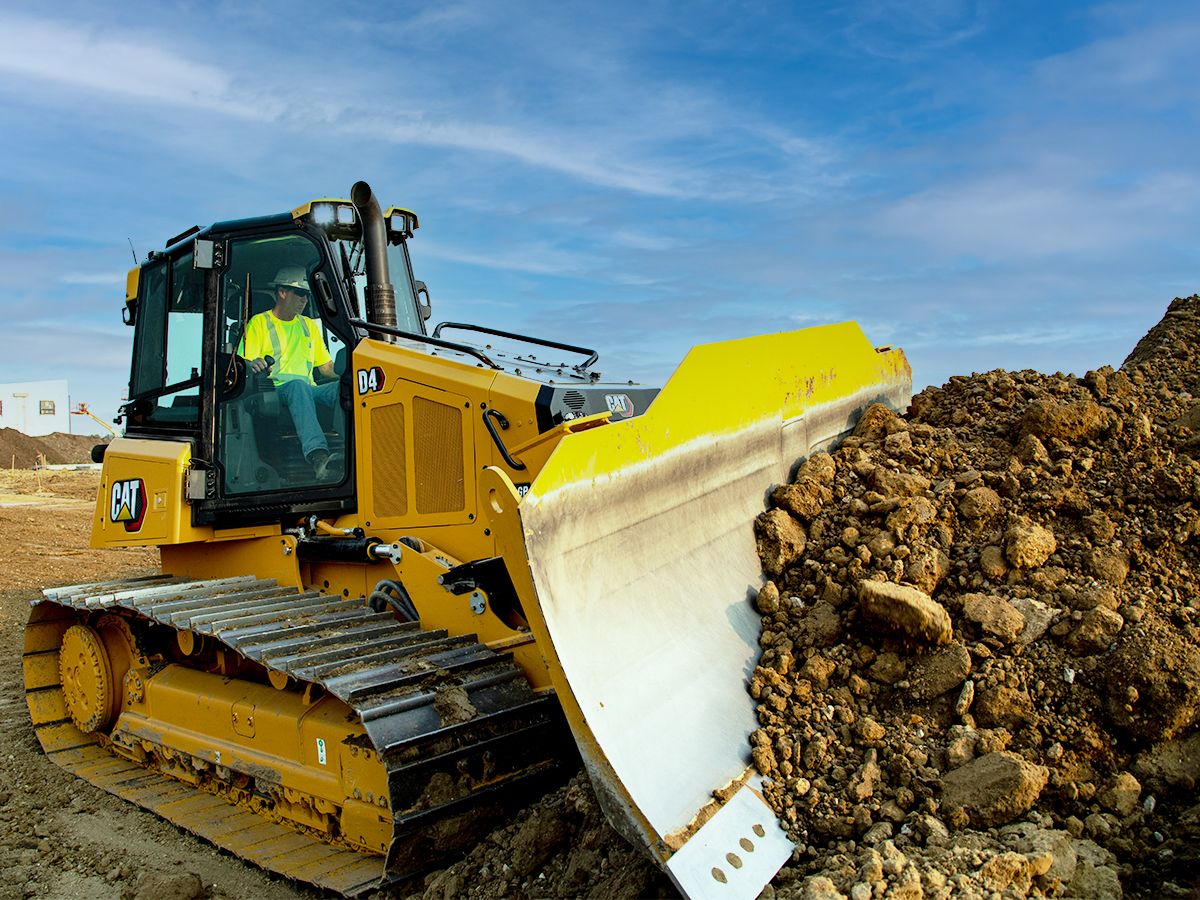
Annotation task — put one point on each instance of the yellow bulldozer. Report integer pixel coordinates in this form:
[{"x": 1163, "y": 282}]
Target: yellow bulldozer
[{"x": 405, "y": 576}]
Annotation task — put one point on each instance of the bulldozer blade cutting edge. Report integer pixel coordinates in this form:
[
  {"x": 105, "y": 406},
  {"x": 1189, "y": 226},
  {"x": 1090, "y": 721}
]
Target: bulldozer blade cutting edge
[{"x": 642, "y": 557}]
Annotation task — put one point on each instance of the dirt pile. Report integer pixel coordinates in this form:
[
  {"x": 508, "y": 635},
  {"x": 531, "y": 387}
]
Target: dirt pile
[
  {"x": 561, "y": 846},
  {"x": 981, "y": 666},
  {"x": 23, "y": 451}
]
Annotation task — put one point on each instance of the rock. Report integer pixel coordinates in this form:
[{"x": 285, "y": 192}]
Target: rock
[
  {"x": 994, "y": 789},
  {"x": 888, "y": 668},
  {"x": 938, "y": 671},
  {"x": 1003, "y": 706},
  {"x": 1031, "y": 451},
  {"x": 911, "y": 511},
  {"x": 1028, "y": 545},
  {"x": 158, "y": 886},
  {"x": 819, "y": 887},
  {"x": 906, "y": 609},
  {"x": 539, "y": 836},
  {"x": 966, "y": 697},
  {"x": 1100, "y": 595},
  {"x": 926, "y": 568},
  {"x": 804, "y": 499},
  {"x": 1046, "y": 419},
  {"x": 874, "y": 423},
  {"x": 1099, "y": 528},
  {"x": 868, "y": 731},
  {"x": 819, "y": 467},
  {"x": 767, "y": 600},
  {"x": 1006, "y": 870},
  {"x": 934, "y": 831},
  {"x": 878, "y": 833},
  {"x": 820, "y": 625},
  {"x": 864, "y": 781},
  {"x": 1027, "y": 838},
  {"x": 1172, "y": 764},
  {"x": 1095, "y": 878},
  {"x": 1109, "y": 565},
  {"x": 1095, "y": 631},
  {"x": 1121, "y": 795},
  {"x": 781, "y": 540},
  {"x": 992, "y": 563},
  {"x": 882, "y": 544},
  {"x": 898, "y": 484},
  {"x": 995, "y": 616},
  {"x": 979, "y": 503},
  {"x": 1164, "y": 668},
  {"x": 817, "y": 669},
  {"x": 1038, "y": 617}
]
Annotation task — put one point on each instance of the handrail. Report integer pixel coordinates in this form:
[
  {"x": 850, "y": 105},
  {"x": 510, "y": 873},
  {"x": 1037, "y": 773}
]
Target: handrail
[
  {"x": 498, "y": 416},
  {"x": 424, "y": 338},
  {"x": 591, "y": 355}
]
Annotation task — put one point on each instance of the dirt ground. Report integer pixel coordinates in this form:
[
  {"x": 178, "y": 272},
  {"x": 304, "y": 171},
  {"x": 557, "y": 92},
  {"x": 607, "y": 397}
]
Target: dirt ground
[{"x": 61, "y": 837}]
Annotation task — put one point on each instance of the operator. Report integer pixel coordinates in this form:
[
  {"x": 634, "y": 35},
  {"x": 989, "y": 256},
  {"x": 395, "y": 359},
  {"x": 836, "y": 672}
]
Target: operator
[{"x": 297, "y": 344}]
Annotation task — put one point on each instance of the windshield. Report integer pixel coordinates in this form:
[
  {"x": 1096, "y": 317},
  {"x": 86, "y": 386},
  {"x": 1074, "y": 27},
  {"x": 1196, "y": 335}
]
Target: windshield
[{"x": 350, "y": 254}]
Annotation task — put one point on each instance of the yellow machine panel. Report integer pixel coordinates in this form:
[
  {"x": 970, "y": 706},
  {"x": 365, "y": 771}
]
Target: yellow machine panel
[{"x": 141, "y": 499}]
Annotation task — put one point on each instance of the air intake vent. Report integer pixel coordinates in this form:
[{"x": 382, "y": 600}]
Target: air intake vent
[
  {"x": 388, "y": 465},
  {"x": 574, "y": 400},
  {"x": 438, "y": 456}
]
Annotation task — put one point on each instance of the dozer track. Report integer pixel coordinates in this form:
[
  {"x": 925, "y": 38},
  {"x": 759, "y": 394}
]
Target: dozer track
[{"x": 122, "y": 678}]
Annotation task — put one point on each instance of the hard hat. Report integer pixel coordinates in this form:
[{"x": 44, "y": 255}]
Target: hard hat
[{"x": 291, "y": 276}]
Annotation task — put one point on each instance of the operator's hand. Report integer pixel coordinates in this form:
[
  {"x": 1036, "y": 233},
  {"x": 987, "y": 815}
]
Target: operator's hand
[{"x": 260, "y": 365}]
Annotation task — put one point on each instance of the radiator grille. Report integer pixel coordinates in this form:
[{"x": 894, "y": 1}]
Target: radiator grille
[
  {"x": 437, "y": 456},
  {"x": 574, "y": 400},
  {"x": 388, "y": 464}
]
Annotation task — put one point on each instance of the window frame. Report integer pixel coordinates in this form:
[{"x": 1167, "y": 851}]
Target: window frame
[
  {"x": 139, "y": 412},
  {"x": 250, "y": 508}
]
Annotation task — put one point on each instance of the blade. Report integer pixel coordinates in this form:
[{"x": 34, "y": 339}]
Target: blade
[{"x": 640, "y": 542}]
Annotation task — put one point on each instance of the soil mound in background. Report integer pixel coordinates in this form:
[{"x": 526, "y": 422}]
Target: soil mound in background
[
  {"x": 981, "y": 666},
  {"x": 22, "y": 451}
]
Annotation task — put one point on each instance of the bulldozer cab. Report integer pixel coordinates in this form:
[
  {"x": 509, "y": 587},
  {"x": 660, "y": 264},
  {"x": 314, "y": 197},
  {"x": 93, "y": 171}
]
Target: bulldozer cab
[{"x": 203, "y": 309}]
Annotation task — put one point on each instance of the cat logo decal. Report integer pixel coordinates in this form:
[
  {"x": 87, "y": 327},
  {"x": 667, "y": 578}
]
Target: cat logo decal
[{"x": 127, "y": 503}]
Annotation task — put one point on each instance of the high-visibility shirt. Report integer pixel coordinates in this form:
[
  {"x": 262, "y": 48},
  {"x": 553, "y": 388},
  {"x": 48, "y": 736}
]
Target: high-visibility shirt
[{"x": 297, "y": 346}]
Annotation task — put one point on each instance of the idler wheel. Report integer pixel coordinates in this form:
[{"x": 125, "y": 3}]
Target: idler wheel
[{"x": 87, "y": 681}]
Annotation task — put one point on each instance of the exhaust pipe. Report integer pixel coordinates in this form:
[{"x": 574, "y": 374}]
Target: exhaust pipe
[{"x": 381, "y": 296}]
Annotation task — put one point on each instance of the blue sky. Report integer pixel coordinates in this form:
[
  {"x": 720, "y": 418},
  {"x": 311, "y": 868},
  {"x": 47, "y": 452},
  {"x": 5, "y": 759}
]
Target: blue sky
[{"x": 985, "y": 184}]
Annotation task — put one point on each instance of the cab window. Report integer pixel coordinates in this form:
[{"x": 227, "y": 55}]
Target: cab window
[
  {"x": 164, "y": 386},
  {"x": 284, "y": 427}
]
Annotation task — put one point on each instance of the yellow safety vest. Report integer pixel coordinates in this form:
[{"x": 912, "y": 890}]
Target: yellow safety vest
[{"x": 296, "y": 345}]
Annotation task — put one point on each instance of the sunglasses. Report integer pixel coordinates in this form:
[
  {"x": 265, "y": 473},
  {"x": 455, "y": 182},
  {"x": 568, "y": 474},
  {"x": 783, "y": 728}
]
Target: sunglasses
[{"x": 299, "y": 292}]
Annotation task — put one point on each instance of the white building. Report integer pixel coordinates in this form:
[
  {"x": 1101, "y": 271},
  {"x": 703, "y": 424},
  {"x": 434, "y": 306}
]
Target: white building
[{"x": 35, "y": 407}]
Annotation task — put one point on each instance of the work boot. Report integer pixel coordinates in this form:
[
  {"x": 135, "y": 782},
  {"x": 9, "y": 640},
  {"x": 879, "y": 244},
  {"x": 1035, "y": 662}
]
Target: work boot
[{"x": 326, "y": 465}]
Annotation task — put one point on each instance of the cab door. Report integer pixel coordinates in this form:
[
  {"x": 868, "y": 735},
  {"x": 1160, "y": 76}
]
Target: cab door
[{"x": 258, "y": 470}]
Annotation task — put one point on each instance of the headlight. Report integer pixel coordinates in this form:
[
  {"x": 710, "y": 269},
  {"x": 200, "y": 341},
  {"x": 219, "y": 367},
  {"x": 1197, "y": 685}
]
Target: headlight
[
  {"x": 401, "y": 223},
  {"x": 337, "y": 218}
]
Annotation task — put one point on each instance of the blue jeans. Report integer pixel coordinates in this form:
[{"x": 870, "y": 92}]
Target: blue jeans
[{"x": 301, "y": 400}]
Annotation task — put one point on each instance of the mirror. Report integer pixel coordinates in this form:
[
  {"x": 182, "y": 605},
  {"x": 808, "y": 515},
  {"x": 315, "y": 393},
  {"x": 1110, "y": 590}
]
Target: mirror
[{"x": 424, "y": 304}]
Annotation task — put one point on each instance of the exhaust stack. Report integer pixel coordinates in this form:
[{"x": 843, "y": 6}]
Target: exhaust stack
[{"x": 381, "y": 296}]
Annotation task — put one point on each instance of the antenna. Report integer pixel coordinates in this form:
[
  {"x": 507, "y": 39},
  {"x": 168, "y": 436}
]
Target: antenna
[{"x": 131, "y": 250}]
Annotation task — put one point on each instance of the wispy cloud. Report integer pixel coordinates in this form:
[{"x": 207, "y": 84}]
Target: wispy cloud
[
  {"x": 632, "y": 148},
  {"x": 906, "y": 30},
  {"x": 92, "y": 61}
]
